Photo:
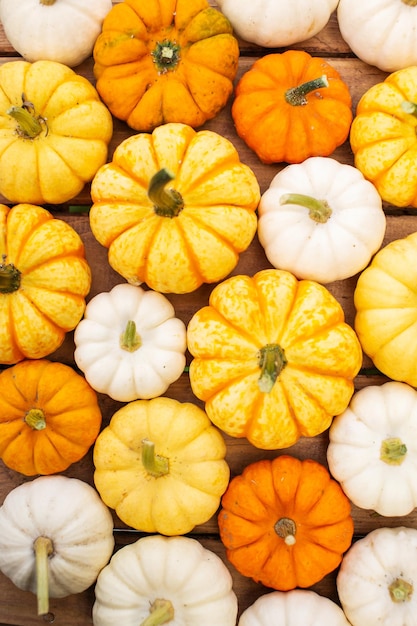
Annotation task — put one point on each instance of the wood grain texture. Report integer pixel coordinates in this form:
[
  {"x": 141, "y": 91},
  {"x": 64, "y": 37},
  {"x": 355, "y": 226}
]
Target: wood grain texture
[{"x": 18, "y": 608}]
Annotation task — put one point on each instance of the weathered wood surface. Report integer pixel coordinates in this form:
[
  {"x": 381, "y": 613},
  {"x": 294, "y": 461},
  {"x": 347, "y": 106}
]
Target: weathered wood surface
[{"x": 18, "y": 608}]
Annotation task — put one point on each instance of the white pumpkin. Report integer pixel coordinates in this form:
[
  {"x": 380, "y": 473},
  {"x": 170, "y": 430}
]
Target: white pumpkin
[
  {"x": 382, "y": 33},
  {"x": 130, "y": 345},
  {"x": 293, "y": 608},
  {"x": 55, "y": 536},
  {"x": 158, "y": 580},
  {"x": 320, "y": 220},
  {"x": 377, "y": 579},
  {"x": 277, "y": 23},
  {"x": 372, "y": 451},
  {"x": 56, "y": 30}
]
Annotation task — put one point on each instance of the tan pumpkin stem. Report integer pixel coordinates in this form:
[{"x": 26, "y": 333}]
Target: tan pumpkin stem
[
  {"x": 167, "y": 202},
  {"x": 318, "y": 210},
  {"x": 47, "y": 3},
  {"x": 29, "y": 125},
  {"x": 410, "y": 3},
  {"x": 400, "y": 590},
  {"x": 296, "y": 96},
  {"x": 286, "y": 528},
  {"x": 129, "y": 339},
  {"x": 154, "y": 464},
  {"x": 43, "y": 549},
  {"x": 271, "y": 361},
  {"x": 9, "y": 277},
  {"x": 35, "y": 418},
  {"x": 409, "y": 107},
  {"x": 393, "y": 451},
  {"x": 161, "y": 612}
]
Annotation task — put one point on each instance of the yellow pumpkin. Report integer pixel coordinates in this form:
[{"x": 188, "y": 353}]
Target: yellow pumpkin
[
  {"x": 161, "y": 465},
  {"x": 273, "y": 358},
  {"x": 165, "y": 61},
  {"x": 54, "y": 132},
  {"x": 174, "y": 238},
  {"x": 44, "y": 279}
]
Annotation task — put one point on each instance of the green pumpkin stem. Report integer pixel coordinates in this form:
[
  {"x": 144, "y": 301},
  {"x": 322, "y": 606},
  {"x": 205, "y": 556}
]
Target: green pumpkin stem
[
  {"x": 161, "y": 612},
  {"x": 167, "y": 202},
  {"x": 271, "y": 361},
  {"x": 400, "y": 590},
  {"x": 393, "y": 451},
  {"x": 35, "y": 418},
  {"x": 166, "y": 55},
  {"x": 29, "y": 125},
  {"x": 9, "y": 277},
  {"x": 129, "y": 339},
  {"x": 409, "y": 107},
  {"x": 296, "y": 96},
  {"x": 154, "y": 464},
  {"x": 318, "y": 210},
  {"x": 43, "y": 549}
]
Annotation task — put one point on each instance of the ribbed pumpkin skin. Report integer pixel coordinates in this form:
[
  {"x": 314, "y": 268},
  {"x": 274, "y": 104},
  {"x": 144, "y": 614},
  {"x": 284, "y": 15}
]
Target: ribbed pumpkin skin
[
  {"x": 279, "y": 131},
  {"x": 68, "y": 405},
  {"x": 261, "y": 498},
  {"x": 189, "y": 84},
  {"x": 49, "y": 299}
]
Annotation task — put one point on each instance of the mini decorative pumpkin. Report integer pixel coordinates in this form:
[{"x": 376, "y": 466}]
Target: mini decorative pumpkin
[
  {"x": 377, "y": 579},
  {"x": 274, "y": 359},
  {"x": 56, "y": 30},
  {"x": 291, "y": 608},
  {"x": 44, "y": 279},
  {"x": 129, "y": 344},
  {"x": 161, "y": 465},
  {"x": 292, "y": 106},
  {"x": 54, "y": 132},
  {"x": 49, "y": 417},
  {"x": 165, "y": 62},
  {"x": 174, "y": 238},
  {"x": 159, "y": 580},
  {"x": 277, "y": 23},
  {"x": 381, "y": 35},
  {"x": 55, "y": 536},
  {"x": 321, "y": 220},
  {"x": 383, "y": 136},
  {"x": 285, "y": 523},
  {"x": 371, "y": 451},
  {"x": 386, "y": 311}
]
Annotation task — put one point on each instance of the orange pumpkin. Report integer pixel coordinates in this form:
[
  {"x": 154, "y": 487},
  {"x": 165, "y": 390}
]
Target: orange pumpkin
[
  {"x": 49, "y": 417},
  {"x": 292, "y": 106},
  {"x": 285, "y": 523}
]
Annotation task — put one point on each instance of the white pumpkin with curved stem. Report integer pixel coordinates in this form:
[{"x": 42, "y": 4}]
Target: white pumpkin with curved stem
[
  {"x": 377, "y": 579},
  {"x": 373, "y": 449},
  {"x": 292, "y": 608},
  {"x": 277, "y": 23},
  {"x": 380, "y": 32},
  {"x": 55, "y": 536},
  {"x": 130, "y": 345},
  {"x": 165, "y": 580},
  {"x": 56, "y": 30},
  {"x": 321, "y": 220}
]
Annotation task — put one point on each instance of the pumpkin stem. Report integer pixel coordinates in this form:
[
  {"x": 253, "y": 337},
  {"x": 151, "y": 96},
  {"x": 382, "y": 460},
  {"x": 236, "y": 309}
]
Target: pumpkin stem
[
  {"x": 43, "y": 550},
  {"x": 47, "y": 3},
  {"x": 400, "y": 590},
  {"x": 410, "y": 3},
  {"x": 129, "y": 339},
  {"x": 29, "y": 125},
  {"x": 166, "y": 55},
  {"x": 161, "y": 612},
  {"x": 286, "y": 529},
  {"x": 154, "y": 464},
  {"x": 296, "y": 96},
  {"x": 167, "y": 202},
  {"x": 9, "y": 277},
  {"x": 318, "y": 210},
  {"x": 393, "y": 451},
  {"x": 406, "y": 105},
  {"x": 35, "y": 418},
  {"x": 271, "y": 361}
]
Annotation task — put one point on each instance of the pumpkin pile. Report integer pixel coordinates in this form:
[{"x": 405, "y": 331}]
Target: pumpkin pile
[{"x": 148, "y": 387}]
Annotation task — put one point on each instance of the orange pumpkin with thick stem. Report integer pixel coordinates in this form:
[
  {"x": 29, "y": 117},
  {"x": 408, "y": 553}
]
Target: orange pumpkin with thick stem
[
  {"x": 285, "y": 523},
  {"x": 49, "y": 417},
  {"x": 292, "y": 106}
]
